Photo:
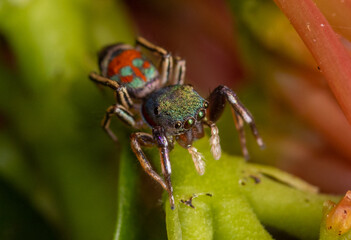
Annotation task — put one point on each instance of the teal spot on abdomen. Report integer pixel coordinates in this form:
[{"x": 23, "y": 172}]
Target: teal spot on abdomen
[
  {"x": 136, "y": 83},
  {"x": 116, "y": 78},
  {"x": 138, "y": 62},
  {"x": 150, "y": 72},
  {"x": 126, "y": 71}
]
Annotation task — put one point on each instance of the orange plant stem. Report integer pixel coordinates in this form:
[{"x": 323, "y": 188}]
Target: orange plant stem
[{"x": 325, "y": 46}]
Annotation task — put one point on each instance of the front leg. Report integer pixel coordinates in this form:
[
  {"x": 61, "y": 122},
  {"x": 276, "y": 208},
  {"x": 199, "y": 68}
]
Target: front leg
[
  {"x": 217, "y": 100},
  {"x": 139, "y": 140},
  {"x": 164, "y": 148}
]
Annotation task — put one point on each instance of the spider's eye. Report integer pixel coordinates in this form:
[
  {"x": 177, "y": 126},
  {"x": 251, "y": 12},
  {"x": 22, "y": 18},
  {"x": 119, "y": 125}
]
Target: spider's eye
[
  {"x": 205, "y": 104},
  {"x": 178, "y": 124},
  {"x": 189, "y": 123},
  {"x": 156, "y": 111},
  {"x": 201, "y": 114}
]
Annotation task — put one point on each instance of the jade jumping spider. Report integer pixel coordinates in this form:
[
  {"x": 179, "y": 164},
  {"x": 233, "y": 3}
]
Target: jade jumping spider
[{"x": 173, "y": 110}]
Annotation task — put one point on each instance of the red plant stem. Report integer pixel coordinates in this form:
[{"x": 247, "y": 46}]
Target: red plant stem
[{"x": 325, "y": 46}]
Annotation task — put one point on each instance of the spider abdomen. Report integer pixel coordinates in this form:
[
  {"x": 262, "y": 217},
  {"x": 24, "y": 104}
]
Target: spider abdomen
[{"x": 128, "y": 67}]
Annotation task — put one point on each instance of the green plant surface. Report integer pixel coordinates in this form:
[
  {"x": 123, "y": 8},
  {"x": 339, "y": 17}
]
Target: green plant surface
[
  {"x": 128, "y": 219},
  {"x": 244, "y": 196}
]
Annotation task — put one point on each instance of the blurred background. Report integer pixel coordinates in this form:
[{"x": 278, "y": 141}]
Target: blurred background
[{"x": 60, "y": 175}]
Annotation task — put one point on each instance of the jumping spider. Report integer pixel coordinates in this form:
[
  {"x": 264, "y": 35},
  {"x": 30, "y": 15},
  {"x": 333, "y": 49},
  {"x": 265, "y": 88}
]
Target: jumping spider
[{"x": 173, "y": 110}]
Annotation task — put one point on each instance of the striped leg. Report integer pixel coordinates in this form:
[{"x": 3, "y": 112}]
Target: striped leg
[
  {"x": 122, "y": 113},
  {"x": 239, "y": 125},
  {"x": 166, "y": 58},
  {"x": 178, "y": 71},
  {"x": 121, "y": 91},
  {"x": 139, "y": 140},
  {"x": 163, "y": 145},
  {"x": 218, "y": 98}
]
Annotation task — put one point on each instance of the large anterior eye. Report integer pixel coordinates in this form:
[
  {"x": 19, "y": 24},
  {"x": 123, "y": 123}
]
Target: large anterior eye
[
  {"x": 178, "y": 124},
  {"x": 201, "y": 114},
  {"x": 189, "y": 123},
  {"x": 205, "y": 104}
]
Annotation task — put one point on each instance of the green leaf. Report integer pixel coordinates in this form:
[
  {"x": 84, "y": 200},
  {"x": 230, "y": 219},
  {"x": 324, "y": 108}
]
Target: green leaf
[
  {"x": 128, "y": 221},
  {"x": 243, "y": 197}
]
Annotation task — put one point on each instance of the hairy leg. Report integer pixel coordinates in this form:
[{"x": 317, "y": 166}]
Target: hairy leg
[
  {"x": 166, "y": 58},
  {"x": 218, "y": 98},
  {"x": 122, "y": 113}
]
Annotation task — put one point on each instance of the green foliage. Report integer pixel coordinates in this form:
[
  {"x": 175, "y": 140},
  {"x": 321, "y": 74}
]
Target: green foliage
[
  {"x": 53, "y": 150},
  {"x": 244, "y": 196}
]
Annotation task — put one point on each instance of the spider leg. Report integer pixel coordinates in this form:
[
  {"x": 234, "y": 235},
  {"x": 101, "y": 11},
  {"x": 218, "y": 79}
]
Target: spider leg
[
  {"x": 139, "y": 140},
  {"x": 239, "y": 125},
  {"x": 163, "y": 145},
  {"x": 103, "y": 81},
  {"x": 166, "y": 58},
  {"x": 178, "y": 71},
  {"x": 122, "y": 113},
  {"x": 217, "y": 100},
  {"x": 122, "y": 94}
]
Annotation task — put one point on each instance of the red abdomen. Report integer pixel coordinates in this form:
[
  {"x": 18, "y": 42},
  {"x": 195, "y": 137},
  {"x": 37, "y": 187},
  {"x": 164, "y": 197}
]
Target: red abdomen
[{"x": 129, "y": 67}]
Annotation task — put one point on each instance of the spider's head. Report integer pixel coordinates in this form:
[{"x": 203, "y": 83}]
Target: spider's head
[{"x": 176, "y": 108}]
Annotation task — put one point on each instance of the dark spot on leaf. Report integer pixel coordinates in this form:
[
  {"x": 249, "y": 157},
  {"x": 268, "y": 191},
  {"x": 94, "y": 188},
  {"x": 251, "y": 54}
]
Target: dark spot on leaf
[
  {"x": 188, "y": 202},
  {"x": 255, "y": 178}
]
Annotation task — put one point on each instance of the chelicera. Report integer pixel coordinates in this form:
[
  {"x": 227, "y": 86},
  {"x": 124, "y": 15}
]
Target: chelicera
[{"x": 156, "y": 97}]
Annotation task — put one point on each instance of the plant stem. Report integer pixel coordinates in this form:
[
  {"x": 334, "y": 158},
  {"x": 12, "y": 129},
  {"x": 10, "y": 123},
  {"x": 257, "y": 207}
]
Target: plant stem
[{"x": 329, "y": 53}]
